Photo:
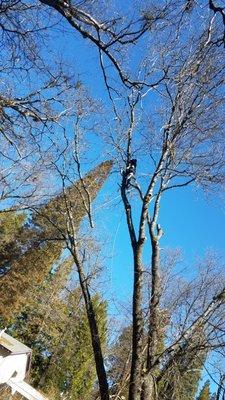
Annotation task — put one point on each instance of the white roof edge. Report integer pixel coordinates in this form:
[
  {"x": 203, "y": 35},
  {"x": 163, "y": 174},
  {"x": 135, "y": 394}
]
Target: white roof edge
[
  {"x": 26, "y": 390},
  {"x": 12, "y": 344}
]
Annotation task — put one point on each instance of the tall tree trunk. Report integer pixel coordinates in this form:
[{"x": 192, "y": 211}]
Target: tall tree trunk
[
  {"x": 149, "y": 391},
  {"x": 95, "y": 338},
  {"x": 148, "y": 388},
  {"x": 137, "y": 336},
  {"x": 154, "y": 304},
  {"x": 137, "y": 315}
]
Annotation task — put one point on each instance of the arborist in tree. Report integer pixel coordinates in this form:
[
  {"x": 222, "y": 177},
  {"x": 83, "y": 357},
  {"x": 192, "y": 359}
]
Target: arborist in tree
[{"x": 129, "y": 172}]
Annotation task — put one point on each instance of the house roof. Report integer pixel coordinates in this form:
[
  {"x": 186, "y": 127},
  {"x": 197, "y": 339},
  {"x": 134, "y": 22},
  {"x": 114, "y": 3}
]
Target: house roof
[{"x": 12, "y": 345}]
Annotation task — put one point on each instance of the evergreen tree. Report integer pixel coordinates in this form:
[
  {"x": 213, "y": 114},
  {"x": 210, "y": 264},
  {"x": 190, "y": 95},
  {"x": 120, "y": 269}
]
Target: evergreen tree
[
  {"x": 52, "y": 323},
  {"x": 52, "y": 218},
  {"x": 71, "y": 370},
  {"x": 43, "y": 244},
  {"x": 11, "y": 227},
  {"x": 40, "y": 323},
  {"x": 27, "y": 273},
  {"x": 55, "y": 326}
]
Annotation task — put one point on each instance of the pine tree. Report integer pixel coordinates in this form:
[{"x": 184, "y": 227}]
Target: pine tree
[
  {"x": 40, "y": 323},
  {"x": 28, "y": 272},
  {"x": 52, "y": 218},
  {"x": 11, "y": 227},
  {"x": 43, "y": 244},
  {"x": 55, "y": 326},
  {"x": 71, "y": 370}
]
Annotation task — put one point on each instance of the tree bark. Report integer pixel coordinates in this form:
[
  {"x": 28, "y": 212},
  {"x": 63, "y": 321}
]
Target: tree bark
[
  {"x": 95, "y": 338},
  {"x": 137, "y": 315},
  {"x": 155, "y": 232},
  {"x": 137, "y": 336},
  {"x": 154, "y": 304},
  {"x": 148, "y": 385},
  {"x": 148, "y": 388}
]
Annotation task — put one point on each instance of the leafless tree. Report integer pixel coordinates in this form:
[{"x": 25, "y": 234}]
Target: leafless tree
[
  {"x": 216, "y": 8},
  {"x": 183, "y": 154},
  {"x": 36, "y": 98}
]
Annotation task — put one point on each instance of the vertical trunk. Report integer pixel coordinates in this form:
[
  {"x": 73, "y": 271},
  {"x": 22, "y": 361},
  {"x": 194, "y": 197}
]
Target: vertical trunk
[
  {"x": 149, "y": 391},
  {"x": 148, "y": 388},
  {"x": 137, "y": 335},
  {"x": 96, "y": 345},
  {"x": 154, "y": 305},
  {"x": 95, "y": 339},
  {"x": 136, "y": 363}
]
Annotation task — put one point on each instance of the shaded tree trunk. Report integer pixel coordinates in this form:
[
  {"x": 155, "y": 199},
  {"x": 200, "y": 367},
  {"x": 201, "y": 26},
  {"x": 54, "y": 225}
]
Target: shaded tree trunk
[
  {"x": 137, "y": 334},
  {"x": 95, "y": 337},
  {"x": 149, "y": 391},
  {"x": 148, "y": 384}
]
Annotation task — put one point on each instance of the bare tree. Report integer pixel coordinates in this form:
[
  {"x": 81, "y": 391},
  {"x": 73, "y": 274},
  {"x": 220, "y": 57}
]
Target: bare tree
[
  {"x": 36, "y": 98},
  {"x": 184, "y": 155},
  {"x": 110, "y": 35},
  {"x": 220, "y": 10}
]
